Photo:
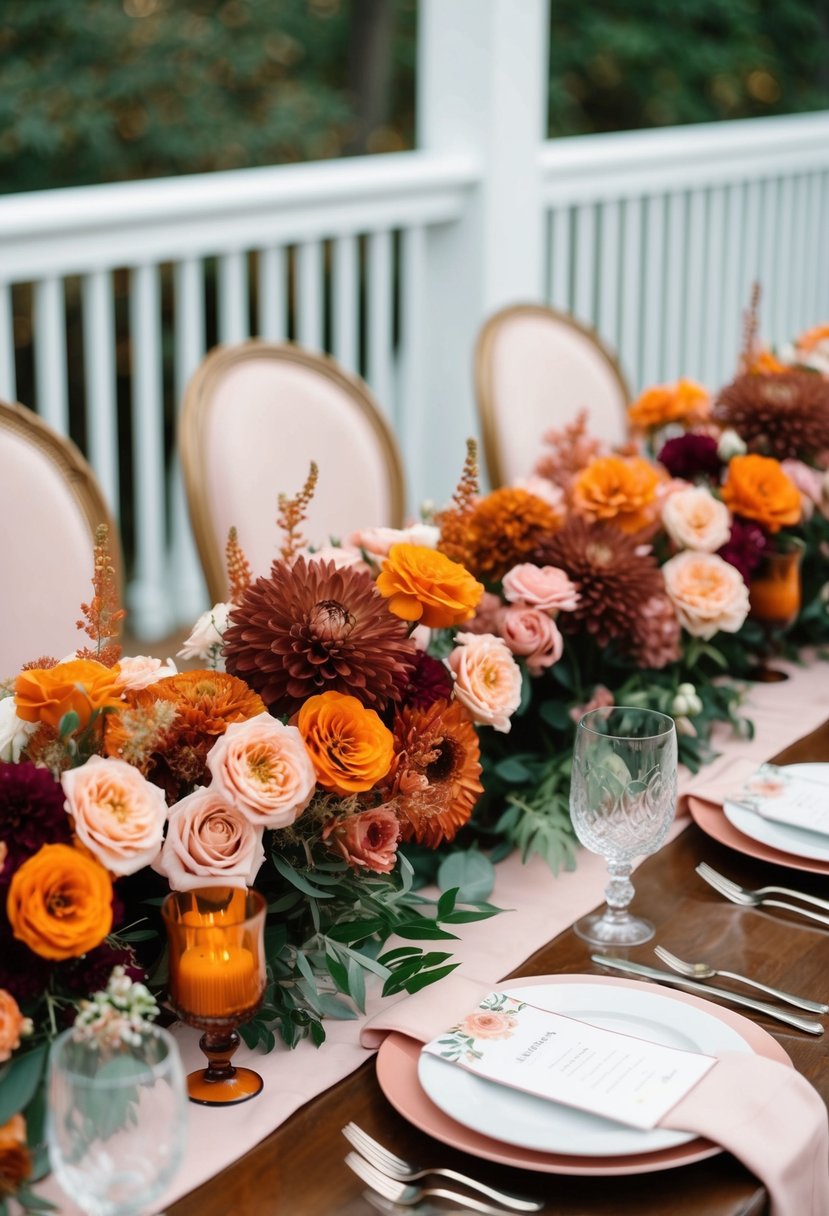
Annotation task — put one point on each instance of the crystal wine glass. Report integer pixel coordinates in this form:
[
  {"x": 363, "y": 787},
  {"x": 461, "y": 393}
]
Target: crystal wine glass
[
  {"x": 116, "y": 1119},
  {"x": 622, "y": 802}
]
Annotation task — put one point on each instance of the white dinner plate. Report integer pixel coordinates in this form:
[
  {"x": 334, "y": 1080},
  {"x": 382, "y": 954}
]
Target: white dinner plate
[
  {"x": 797, "y": 841},
  {"x": 535, "y": 1123}
]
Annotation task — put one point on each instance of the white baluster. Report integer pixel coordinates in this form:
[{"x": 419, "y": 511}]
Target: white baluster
[
  {"x": 50, "y": 354},
  {"x": 780, "y": 305},
  {"x": 101, "y": 390},
  {"x": 629, "y": 342},
  {"x": 346, "y": 302},
  {"x": 234, "y": 315},
  {"x": 147, "y": 592},
  {"x": 675, "y": 287},
  {"x": 380, "y": 339},
  {"x": 611, "y": 258},
  {"x": 712, "y": 371},
  {"x": 750, "y": 255},
  {"x": 694, "y": 328},
  {"x": 8, "y": 374},
  {"x": 309, "y": 274},
  {"x": 815, "y": 270},
  {"x": 584, "y": 288},
  {"x": 652, "y": 286},
  {"x": 560, "y": 255},
  {"x": 730, "y": 302},
  {"x": 769, "y": 236},
  {"x": 272, "y": 294},
  {"x": 413, "y": 427},
  {"x": 798, "y": 317}
]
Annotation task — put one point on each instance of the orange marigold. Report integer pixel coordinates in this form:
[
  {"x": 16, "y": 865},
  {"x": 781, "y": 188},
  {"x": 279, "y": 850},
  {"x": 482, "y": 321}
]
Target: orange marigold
[
  {"x": 423, "y": 585},
  {"x": 621, "y": 490},
  {"x": 686, "y": 401},
  {"x": 349, "y": 746},
  {"x": 757, "y": 488},
  {"x": 15, "y": 1160},
  {"x": 435, "y": 778},
  {"x": 501, "y": 531},
  {"x": 60, "y": 902},
  {"x": 81, "y": 685}
]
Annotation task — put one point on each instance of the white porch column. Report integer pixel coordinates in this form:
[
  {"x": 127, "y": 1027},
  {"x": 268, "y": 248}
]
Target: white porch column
[{"x": 482, "y": 72}]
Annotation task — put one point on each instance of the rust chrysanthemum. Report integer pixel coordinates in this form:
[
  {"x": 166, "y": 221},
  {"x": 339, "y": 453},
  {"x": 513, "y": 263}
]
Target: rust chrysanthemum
[
  {"x": 500, "y": 531},
  {"x": 435, "y": 776},
  {"x": 786, "y": 415},
  {"x": 205, "y": 703},
  {"x": 311, "y": 628},
  {"x": 614, "y": 579}
]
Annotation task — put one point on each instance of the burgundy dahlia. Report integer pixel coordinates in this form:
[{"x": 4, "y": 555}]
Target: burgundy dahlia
[
  {"x": 32, "y": 814},
  {"x": 429, "y": 682},
  {"x": 691, "y": 456},
  {"x": 745, "y": 546}
]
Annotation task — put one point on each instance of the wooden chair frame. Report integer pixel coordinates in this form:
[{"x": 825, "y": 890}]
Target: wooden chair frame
[
  {"x": 483, "y": 374},
  {"x": 198, "y": 398}
]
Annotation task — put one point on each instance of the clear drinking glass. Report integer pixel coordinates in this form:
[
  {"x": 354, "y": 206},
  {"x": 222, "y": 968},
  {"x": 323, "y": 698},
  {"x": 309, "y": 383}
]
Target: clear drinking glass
[
  {"x": 116, "y": 1120},
  {"x": 622, "y": 802}
]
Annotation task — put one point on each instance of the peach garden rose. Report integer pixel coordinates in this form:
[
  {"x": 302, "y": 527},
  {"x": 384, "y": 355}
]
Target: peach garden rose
[
  {"x": 695, "y": 519},
  {"x": 263, "y": 768},
  {"x": 209, "y": 843},
  {"x": 117, "y": 813},
  {"x": 533, "y": 635},
  {"x": 140, "y": 671},
  {"x": 367, "y": 840},
  {"x": 544, "y": 587},
  {"x": 487, "y": 679},
  {"x": 709, "y": 595}
]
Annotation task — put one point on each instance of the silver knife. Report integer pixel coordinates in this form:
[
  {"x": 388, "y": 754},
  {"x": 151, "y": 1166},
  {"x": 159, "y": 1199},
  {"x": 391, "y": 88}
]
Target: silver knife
[{"x": 723, "y": 994}]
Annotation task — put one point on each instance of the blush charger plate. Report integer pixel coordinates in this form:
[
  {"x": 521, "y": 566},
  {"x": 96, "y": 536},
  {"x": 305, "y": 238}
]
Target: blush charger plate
[
  {"x": 397, "y": 1074},
  {"x": 711, "y": 819}
]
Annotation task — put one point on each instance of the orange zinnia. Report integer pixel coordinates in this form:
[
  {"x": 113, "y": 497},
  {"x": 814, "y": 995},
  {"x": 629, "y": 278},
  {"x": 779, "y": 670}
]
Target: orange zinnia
[
  {"x": 685, "y": 401},
  {"x": 60, "y": 902},
  {"x": 757, "y": 488},
  {"x": 15, "y": 1160},
  {"x": 618, "y": 490},
  {"x": 423, "y": 585},
  {"x": 45, "y": 694},
  {"x": 349, "y": 746}
]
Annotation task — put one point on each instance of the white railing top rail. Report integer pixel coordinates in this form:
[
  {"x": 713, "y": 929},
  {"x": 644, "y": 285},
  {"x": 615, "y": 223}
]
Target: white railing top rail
[
  {"x": 73, "y": 231},
  {"x": 595, "y": 168}
]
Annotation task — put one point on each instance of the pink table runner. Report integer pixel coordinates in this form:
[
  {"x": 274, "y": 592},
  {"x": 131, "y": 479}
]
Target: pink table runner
[{"x": 540, "y": 905}]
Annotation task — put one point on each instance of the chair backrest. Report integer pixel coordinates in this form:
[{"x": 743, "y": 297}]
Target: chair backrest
[
  {"x": 52, "y": 505},
  {"x": 254, "y": 416},
  {"x": 535, "y": 368}
]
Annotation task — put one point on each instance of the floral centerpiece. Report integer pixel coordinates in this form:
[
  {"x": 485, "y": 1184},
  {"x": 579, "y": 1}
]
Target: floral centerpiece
[{"x": 319, "y": 737}]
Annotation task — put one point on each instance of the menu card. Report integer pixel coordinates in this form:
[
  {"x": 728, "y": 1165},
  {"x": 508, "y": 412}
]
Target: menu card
[
  {"x": 565, "y": 1060},
  {"x": 786, "y": 796}
]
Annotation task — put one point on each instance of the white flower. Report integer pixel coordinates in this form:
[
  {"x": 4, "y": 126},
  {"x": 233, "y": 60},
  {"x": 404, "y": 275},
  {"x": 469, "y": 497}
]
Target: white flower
[
  {"x": 378, "y": 541},
  {"x": 730, "y": 444},
  {"x": 206, "y": 638},
  {"x": 14, "y": 732},
  {"x": 140, "y": 671}
]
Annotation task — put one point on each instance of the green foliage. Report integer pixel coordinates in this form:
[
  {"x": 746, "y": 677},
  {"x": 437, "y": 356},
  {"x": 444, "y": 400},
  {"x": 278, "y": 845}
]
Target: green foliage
[{"x": 618, "y": 67}]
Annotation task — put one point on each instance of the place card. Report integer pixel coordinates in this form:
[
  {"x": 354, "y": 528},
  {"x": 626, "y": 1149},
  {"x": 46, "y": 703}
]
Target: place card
[
  {"x": 786, "y": 796},
  {"x": 562, "y": 1059}
]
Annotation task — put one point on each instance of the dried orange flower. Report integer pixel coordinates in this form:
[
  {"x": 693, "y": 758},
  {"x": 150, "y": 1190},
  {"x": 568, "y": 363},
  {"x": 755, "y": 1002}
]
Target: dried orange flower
[
  {"x": 239, "y": 574},
  {"x": 757, "y": 488},
  {"x": 60, "y": 902},
  {"x": 685, "y": 401},
  {"x": 621, "y": 490},
  {"x": 104, "y": 613},
  {"x": 452, "y": 520},
  {"x": 349, "y": 746},
  {"x": 423, "y": 585},
  {"x": 293, "y": 512}
]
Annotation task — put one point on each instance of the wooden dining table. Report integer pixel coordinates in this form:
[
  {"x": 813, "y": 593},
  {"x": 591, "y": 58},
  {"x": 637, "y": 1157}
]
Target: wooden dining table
[{"x": 299, "y": 1169}]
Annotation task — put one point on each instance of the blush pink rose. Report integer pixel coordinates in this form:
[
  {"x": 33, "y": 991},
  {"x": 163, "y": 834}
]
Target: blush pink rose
[
  {"x": 367, "y": 840},
  {"x": 487, "y": 679},
  {"x": 709, "y": 595},
  {"x": 377, "y": 542},
  {"x": 262, "y": 767},
  {"x": 602, "y": 699},
  {"x": 140, "y": 671},
  {"x": 488, "y": 615},
  {"x": 489, "y": 1024},
  {"x": 544, "y": 587},
  {"x": 695, "y": 519},
  {"x": 117, "y": 813},
  {"x": 809, "y": 481},
  {"x": 533, "y": 635},
  {"x": 209, "y": 843}
]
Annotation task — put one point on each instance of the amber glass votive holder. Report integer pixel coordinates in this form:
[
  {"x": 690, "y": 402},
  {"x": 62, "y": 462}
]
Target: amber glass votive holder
[
  {"x": 775, "y": 599},
  {"x": 216, "y": 981}
]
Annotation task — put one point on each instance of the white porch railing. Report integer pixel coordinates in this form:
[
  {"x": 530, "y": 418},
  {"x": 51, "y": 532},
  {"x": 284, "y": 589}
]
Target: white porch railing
[{"x": 114, "y": 293}]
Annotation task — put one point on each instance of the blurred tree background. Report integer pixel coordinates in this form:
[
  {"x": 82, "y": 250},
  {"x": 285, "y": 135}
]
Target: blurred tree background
[{"x": 109, "y": 90}]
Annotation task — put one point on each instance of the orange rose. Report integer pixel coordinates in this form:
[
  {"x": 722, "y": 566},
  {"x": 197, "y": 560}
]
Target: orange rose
[
  {"x": 15, "y": 1161},
  {"x": 757, "y": 488},
  {"x": 60, "y": 902},
  {"x": 684, "y": 401},
  {"x": 349, "y": 746},
  {"x": 623, "y": 490},
  {"x": 82, "y": 685},
  {"x": 426, "y": 586},
  {"x": 12, "y": 1025}
]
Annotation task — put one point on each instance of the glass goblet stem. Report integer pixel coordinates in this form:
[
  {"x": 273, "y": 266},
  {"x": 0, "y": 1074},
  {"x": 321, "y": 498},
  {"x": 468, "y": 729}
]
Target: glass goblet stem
[{"x": 619, "y": 891}]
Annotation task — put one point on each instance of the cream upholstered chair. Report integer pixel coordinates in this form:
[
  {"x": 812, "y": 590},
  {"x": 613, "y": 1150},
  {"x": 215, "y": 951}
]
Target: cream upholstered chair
[
  {"x": 254, "y": 417},
  {"x": 535, "y": 368},
  {"x": 52, "y": 505}
]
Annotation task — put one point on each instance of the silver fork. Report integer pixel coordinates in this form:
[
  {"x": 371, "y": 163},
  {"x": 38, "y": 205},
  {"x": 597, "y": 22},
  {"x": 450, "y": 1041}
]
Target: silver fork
[
  {"x": 408, "y": 1195},
  {"x": 702, "y": 971},
  {"x": 749, "y": 899},
  {"x": 407, "y": 1171},
  {"x": 703, "y": 869}
]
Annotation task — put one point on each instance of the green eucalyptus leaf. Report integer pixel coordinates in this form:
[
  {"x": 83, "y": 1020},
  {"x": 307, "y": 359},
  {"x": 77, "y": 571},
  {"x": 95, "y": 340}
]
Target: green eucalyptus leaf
[{"x": 471, "y": 873}]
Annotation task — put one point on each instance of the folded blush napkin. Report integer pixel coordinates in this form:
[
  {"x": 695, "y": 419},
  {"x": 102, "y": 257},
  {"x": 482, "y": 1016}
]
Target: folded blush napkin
[{"x": 762, "y": 1111}]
